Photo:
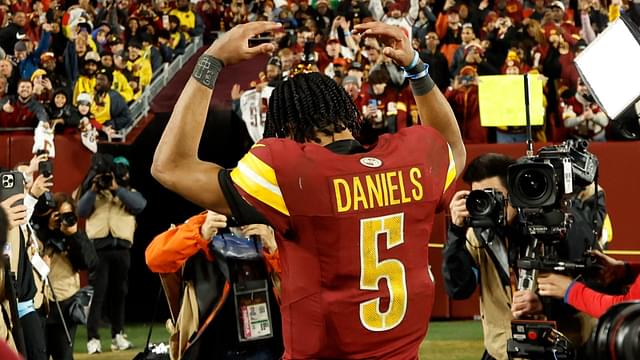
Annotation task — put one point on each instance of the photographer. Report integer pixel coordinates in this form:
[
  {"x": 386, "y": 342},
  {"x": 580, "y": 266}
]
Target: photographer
[
  {"x": 185, "y": 250},
  {"x": 69, "y": 251},
  {"x": 110, "y": 207},
  {"x": 481, "y": 256}
]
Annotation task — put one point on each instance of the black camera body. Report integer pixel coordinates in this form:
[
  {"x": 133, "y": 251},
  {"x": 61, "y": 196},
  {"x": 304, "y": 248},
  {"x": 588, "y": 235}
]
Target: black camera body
[
  {"x": 67, "y": 219},
  {"x": 104, "y": 181},
  {"x": 486, "y": 209},
  {"x": 544, "y": 180}
]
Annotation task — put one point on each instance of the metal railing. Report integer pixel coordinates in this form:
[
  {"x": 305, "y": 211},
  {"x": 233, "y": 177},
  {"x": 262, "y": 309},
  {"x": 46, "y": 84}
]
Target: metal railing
[{"x": 161, "y": 77}]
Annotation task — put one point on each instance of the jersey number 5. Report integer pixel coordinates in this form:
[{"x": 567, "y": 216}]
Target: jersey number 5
[{"x": 372, "y": 270}]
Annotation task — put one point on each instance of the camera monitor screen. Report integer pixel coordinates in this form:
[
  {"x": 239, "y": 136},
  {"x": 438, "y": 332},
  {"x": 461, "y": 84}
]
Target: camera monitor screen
[{"x": 609, "y": 67}]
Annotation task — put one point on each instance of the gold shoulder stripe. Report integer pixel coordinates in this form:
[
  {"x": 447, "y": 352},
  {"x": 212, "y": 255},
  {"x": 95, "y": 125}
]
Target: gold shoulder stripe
[
  {"x": 259, "y": 180},
  {"x": 451, "y": 172}
]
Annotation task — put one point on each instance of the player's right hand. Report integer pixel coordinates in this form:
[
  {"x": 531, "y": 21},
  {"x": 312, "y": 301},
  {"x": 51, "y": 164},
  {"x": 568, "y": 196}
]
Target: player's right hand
[
  {"x": 233, "y": 46},
  {"x": 458, "y": 207}
]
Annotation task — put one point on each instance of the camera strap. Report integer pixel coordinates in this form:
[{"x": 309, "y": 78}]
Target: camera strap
[{"x": 497, "y": 251}]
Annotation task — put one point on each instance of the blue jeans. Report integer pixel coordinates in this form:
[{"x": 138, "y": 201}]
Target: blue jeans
[{"x": 507, "y": 138}]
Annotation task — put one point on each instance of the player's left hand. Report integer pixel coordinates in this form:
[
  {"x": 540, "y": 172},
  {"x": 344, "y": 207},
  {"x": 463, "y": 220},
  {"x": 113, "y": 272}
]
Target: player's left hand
[
  {"x": 397, "y": 44},
  {"x": 233, "y": 46},
  {"x": 525, "y": 303},
  {"x": 554, "y": 285}
]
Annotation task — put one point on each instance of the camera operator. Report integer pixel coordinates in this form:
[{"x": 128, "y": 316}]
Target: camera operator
[
  {"x": 69, "y": 251},
  {"x": 110, "y": 207},
  {"x": 482, "y": 256},
  {"x": 592, "y": 302}
]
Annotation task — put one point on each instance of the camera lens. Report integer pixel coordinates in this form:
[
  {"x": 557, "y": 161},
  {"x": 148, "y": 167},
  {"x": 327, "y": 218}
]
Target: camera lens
[
  {"x": 533, "y": 184},
  {"x": 480, "y": 203}
]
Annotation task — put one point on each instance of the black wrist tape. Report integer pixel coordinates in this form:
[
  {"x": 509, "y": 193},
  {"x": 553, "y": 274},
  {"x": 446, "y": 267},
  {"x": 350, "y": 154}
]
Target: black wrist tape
[
  {"x": 422, "y": 86},
  {"x": 206, "y": 70}
]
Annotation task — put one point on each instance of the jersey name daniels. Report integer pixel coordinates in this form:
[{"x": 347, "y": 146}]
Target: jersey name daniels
[{"x": 377, "y": 189}]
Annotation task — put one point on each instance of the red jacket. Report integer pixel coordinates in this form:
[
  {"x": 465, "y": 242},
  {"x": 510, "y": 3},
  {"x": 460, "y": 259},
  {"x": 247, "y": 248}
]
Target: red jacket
[{"x": 595, "y": 303}]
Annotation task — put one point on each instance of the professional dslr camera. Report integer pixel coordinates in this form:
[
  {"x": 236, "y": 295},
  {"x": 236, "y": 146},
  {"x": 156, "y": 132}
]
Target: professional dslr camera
[
  {"x": 486, "y": 209},
  {"x": 67, "y": 219}
]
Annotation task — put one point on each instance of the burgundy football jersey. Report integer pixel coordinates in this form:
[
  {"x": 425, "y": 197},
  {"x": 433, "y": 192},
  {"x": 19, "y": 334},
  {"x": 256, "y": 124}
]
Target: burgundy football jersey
[{"x": 352, "y": 232}]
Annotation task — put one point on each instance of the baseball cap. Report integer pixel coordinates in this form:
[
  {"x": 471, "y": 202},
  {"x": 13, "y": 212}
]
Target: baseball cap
[
  {"x": 84, "y": 99},
  {"x": 356, "y": 66},
  {"x": 38, "y": 72},
  {"x": 558, "y": 4},
  {"x": 350, "y": 80},
  {"x": 47, "y": 56},
  {"x": 20, "y": 46},
  {"x": 92, "y": 56}
]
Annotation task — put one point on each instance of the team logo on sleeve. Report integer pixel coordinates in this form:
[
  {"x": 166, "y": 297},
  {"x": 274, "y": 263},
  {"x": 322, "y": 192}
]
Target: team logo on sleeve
[{"x": 371, "y": 162}]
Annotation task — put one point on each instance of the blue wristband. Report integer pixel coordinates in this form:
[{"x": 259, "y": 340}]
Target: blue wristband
[
  {"x": 419, "y": 75},
  {"x": 414, "y": 62}
]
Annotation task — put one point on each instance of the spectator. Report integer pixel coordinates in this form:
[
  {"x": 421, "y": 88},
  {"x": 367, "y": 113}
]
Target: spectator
[
  {"x": 273, "y": 71},
  {"x": 11, "y": 74},
  {"x": 29, "y": 61},
  {"x": 109, "y": 207},
  {"x": 178, "y": 40},
  {"x": 151, "y": 52},
  {"x": 109, "y": 108},
  {"x": 288, "y": 59},
  {"x": 22, "y": 110},
  {"x": 14, "y": 32},
  {"x": 48, "y": 63},
  {"x": 438, "y": 66},
  {"x": 385, "y": 112},
  {"x": 186, "y": 17},
  {"x": 60, "y": 109},
  {"x": 106, "y": 61},
  {"x": 42, "y": 87},
  {"x": 86, "y": 83},
  {"x": 139, "y": 67},
  {"x": 583, "y": 116},
  {"x": 395, "y": 15},
  {"x": 463, "y": 97},
  {"x": 121, "y": 76},
  {"x": 324, "y": 16},
  {"x": 351, "y": 85},
  {"x": 467, "y": 36}
]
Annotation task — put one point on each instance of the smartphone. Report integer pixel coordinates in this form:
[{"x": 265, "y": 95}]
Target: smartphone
[
  {"x": 11, "y": 183},
  {"x": 165, "y": 21},
  {"x": 255, "y": 41},
  {"x": 45, "y": 168}
]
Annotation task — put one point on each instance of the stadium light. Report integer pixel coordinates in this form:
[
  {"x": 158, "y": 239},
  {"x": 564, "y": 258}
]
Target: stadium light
[{"x": 609, "y": 66}]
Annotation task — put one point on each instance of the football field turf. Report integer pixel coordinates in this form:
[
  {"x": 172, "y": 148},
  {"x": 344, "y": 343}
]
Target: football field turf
[{"x": 447, "y": 340}]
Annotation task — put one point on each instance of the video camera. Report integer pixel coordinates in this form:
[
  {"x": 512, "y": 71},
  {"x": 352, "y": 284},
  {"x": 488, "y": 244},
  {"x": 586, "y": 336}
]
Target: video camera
[{"x": 541, "y": 189}]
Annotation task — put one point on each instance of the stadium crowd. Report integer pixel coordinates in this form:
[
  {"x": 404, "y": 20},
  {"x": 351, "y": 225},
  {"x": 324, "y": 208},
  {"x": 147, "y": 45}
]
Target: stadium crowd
[{"x": 77, "y": 65}]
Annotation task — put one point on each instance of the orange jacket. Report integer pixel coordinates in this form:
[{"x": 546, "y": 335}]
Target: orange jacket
[{"x": 170, "y": 250}]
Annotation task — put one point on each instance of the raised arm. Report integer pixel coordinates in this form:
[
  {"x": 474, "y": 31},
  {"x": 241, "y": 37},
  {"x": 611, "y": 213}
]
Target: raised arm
[
  {"x": 176, "y": 164},
  {"x": 433, "y": 108}
]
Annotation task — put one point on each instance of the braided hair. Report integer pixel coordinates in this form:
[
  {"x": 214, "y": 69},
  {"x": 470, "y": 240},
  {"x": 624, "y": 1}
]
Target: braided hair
[{"x": 308, "y": 103}]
